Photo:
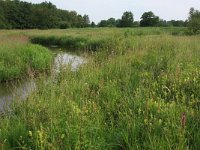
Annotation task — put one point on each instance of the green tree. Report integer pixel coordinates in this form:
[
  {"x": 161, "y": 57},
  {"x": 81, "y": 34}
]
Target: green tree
[
  {"x": 22, "y": 15},
  {"x": 111, "y": 22},
  {"x": 118, "y": 22},
  {"x": 12, "y": 13},
  {"x": 103, "y": 23},
  {"x": 45, "y": 16},
  {"x": 162, "y": 23},
  {"x": 2, "y": 17},
  {"x": 149, "y": 19},
  {"x": 86, "y": 21},
  {"x": 194, "y": 21},
  {"x": 93, "y": 24},
  {"x": 176, "y": 23},
  {"x": 73, "y": 18},
  {"x": 26, "y": 13},
  {"x": 127, "y": 19},
  {"x": 136, "y": 24}
]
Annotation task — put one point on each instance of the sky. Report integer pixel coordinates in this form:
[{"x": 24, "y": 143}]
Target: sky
[{"x": 105, "y": 9}]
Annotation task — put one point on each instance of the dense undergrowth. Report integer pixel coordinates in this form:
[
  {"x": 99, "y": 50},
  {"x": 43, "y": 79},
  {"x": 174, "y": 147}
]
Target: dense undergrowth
[
  {"x": 135, "y": 92},
  {"x": 19, "y": 60},
  {"x": 92, "y": 39},
  {"x": 75, "y": 43}
]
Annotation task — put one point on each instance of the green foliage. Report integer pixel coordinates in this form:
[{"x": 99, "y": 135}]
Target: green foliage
[
  {"x": 45, "y": 16},
  {"x": 16, "y": 14},
  {"x": 174, "y": 23},
  {"x": 177, "y": 23},
  {"x": 103, "y": 23},
  {"x": 149, "y": 19},
  {"x": 23, "y": 15},
  {"x": 194, "y": 21},
  {"x": 111, "y": 22},
  {"x": 75, "y": 43},
  {"x": 93, "y": 24},
  {"x": 86, "y": 21},
  {"x": 132, "y": 94},
  {"x": 2, "y": 18},
  {"x": 21, "y": 60},
  {"x": 127, "y": 19}
]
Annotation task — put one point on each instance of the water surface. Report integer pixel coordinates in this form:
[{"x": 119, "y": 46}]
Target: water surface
[{"x": 19, "y": 90}]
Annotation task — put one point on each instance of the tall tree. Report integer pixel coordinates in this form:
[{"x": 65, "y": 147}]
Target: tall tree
[
  {"x": 194, "y": 21},
  {"x": 103, "y": 23},
  {"x": 23, "y": 15},
  {"x": 127, "y": 19},
  {"x": 45, "y": 15},
  {"x": 86, "y": 21},
  {"x": 111, "y": 22},
  {"x": 93, "y": 24},
  {"x": 149, "y": 19},
  {"x": 2, "y": 17}
]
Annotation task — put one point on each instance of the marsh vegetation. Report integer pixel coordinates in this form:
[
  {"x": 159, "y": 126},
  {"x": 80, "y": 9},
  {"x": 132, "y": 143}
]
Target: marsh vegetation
[{"x": 140, "y": 89}]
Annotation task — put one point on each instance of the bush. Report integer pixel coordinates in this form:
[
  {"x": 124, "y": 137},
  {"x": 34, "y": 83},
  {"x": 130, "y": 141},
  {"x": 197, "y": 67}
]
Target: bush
[
  {"x": 75, "y": 43},
  {"x": 194, "y": 21}
]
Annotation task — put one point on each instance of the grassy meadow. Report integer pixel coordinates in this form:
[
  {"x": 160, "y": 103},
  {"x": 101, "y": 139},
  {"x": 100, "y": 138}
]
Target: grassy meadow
[
  {"x": 18, "y": 58},
  {"x": 139, "y": 90}
]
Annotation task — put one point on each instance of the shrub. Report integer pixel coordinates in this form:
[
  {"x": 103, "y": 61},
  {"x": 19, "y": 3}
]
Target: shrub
[{"x": 194, "y": 21}]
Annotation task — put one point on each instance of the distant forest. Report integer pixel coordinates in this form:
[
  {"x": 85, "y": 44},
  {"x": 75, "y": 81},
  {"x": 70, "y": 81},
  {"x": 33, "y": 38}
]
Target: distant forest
[
  {"x": 15, "y": 14},
  {"x": 23, "y": 15}
]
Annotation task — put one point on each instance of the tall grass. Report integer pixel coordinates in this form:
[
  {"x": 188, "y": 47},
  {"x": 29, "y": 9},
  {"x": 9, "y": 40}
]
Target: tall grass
[
  {"x": 18, "y": 60},
  {"x": 130, "y": 95},
  {"x": 75, "y": 43}
]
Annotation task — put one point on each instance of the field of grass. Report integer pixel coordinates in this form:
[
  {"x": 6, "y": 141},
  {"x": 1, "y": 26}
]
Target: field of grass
[
  {"x": 18, "y": 58},
  {"x": 140, "y": 89}
]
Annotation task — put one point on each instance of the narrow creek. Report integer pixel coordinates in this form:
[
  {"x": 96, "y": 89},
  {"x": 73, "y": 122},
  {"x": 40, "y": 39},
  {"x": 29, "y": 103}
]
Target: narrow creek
[{"x": 20, "y": 90}]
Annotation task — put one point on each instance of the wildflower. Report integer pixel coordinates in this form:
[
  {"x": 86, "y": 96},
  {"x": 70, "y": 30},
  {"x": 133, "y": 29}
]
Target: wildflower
[
  {"x": 145, "y": 121},
  {"x": 139, "y": 111},
  {"x": 151, "y": 115},
  {"x": 160, "y": 121},
  {"x": 159, "y": 107},
  {"x": 183, "y": 120},
  {"x": 62, "y": 136},
  {"x": 192, "y": 113},
  {"x": 30, "y": 133}
]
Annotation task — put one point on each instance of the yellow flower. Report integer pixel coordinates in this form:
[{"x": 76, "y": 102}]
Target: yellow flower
[
  {"x": 160, "y": 121},
  {"x": 30, "y": 133},
  {"x": 139, "y": 111},
  {"x": 145, "y": 121},
  {"x": 62, "y": 136}
]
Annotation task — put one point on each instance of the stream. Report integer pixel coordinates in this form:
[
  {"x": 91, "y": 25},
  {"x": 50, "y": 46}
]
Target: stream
[{"x": 21, "y": 89}]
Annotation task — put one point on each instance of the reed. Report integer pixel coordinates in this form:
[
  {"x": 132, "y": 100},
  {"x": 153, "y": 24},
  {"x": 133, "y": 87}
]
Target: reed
[{"x": 131, "y": 94}]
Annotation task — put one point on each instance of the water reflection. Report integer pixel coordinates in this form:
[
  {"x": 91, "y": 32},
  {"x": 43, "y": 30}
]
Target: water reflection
[
  {"x": 19, "y": 90},
  {"x": 63, "y": 59}
]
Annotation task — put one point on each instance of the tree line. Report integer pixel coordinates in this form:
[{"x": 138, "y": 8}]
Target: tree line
[
  {"x": 15, "y": 14},
  {"x": 148, "y": 19}
]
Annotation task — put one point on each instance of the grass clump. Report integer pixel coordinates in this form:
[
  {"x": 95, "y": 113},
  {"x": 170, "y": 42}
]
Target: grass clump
[
  {"x": 73, "y": 43},
  {"x": 22, "y": 59}
]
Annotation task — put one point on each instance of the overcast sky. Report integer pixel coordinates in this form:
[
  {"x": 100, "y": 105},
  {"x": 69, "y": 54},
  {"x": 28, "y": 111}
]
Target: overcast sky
[{"x": 104, "y": 9}]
